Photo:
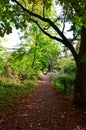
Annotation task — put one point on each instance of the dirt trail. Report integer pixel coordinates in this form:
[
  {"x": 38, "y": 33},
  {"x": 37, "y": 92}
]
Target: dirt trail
[{"x": 43, "y": 109}]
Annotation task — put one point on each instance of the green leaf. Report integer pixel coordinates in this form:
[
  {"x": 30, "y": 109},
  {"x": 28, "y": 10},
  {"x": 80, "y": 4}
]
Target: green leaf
[{"x": 83, "y": 59}]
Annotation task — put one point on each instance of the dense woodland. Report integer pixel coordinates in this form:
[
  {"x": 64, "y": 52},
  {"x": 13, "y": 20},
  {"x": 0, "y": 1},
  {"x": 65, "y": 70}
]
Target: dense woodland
[{"x": 44, "y": 48}]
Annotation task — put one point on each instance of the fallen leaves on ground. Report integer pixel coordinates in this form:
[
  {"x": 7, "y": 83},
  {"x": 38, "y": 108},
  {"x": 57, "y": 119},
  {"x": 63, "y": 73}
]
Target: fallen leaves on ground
[{"x": 43, "y": 109}]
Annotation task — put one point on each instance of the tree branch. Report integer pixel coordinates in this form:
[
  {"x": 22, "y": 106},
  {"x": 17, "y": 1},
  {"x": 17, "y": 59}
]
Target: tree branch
[
  {"x": 64, "y": 20},
  {"x": 55, "y": 38},
  {"x": 65, "y": 40},
  {"x": 46, "y": 28},
  {"x": 43, "y": 19},
  {"x": 46, "y": 33}
]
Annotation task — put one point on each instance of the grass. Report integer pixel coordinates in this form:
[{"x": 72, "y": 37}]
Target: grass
[{"x": 11, "y": 90}]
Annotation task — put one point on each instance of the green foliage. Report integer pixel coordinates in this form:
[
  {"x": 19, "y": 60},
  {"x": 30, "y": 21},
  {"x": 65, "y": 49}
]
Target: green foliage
[
  {"x": 21, "y": 68},
  {"x": 12, "y": 15},
  {"x": 76, "y": 11},
  {"x": 10, "y": 90},
  {"x": 38, "y": 6},
  {"x": 66, "y": 75},
  {"x": 57, "y": 85},
  {"x": 1, "y": 66},
  {"x": 83, "y": 59}
]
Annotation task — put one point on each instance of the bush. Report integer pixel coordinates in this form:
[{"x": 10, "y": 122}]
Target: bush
[{"x": 66, "y": 76}]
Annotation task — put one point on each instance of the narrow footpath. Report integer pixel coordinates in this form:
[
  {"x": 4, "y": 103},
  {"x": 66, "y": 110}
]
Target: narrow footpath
[{"x": 43, "y": 109}]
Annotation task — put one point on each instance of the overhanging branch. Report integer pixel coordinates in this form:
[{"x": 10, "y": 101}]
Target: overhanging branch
[
  {"x": 46, "y": 33},
  {"x": 43, "y": 19},
  {"x": 64, "y": 39},
  {"x": 57, "y": 39}
]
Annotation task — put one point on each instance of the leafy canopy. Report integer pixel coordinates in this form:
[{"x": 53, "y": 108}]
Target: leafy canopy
[
  {"x": 13, "y": 15},
  {"x": 75, "y": 11}
]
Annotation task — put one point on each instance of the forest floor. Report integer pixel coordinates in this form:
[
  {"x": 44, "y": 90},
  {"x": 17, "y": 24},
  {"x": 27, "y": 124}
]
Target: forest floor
[{"x": 43, "y": 109}]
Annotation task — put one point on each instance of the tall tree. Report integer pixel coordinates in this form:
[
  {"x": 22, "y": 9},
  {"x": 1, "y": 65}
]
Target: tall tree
[
  {"x": 76, "y": 11},
  {"x": 23, "y": 11}
]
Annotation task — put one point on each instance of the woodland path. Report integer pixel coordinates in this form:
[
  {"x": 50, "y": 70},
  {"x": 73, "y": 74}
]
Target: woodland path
[{"x": 43, "y": 109}]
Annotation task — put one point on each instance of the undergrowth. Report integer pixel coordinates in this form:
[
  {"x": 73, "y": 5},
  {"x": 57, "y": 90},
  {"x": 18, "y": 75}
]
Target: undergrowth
[
  {"x": 11, "y": 90},
  {"x": 65, "y": 76}
]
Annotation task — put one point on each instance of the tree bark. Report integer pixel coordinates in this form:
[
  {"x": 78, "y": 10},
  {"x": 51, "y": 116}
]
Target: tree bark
[{"x": 80, "y": 80}]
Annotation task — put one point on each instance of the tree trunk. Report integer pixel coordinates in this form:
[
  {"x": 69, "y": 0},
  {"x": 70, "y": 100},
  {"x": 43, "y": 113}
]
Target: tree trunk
[{"x": 80, "y": 80}]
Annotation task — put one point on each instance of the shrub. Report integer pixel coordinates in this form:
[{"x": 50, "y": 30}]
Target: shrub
[{"x": 66, "y": 75}]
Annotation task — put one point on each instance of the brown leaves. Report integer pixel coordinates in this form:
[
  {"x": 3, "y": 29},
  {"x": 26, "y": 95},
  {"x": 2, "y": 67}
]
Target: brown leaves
[
  {"x": 79, "y": 128},
  {"x": 43, "y": 109}
]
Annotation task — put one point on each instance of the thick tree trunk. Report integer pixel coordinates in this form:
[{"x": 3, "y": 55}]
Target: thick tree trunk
[{"x": 80, "y": 81}]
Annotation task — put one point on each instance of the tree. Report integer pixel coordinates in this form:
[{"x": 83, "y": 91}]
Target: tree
[
  {"x": 23, "y": 11},
  {"x": 43, "y": 52},
  {"x": 78, "y": 18}
]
